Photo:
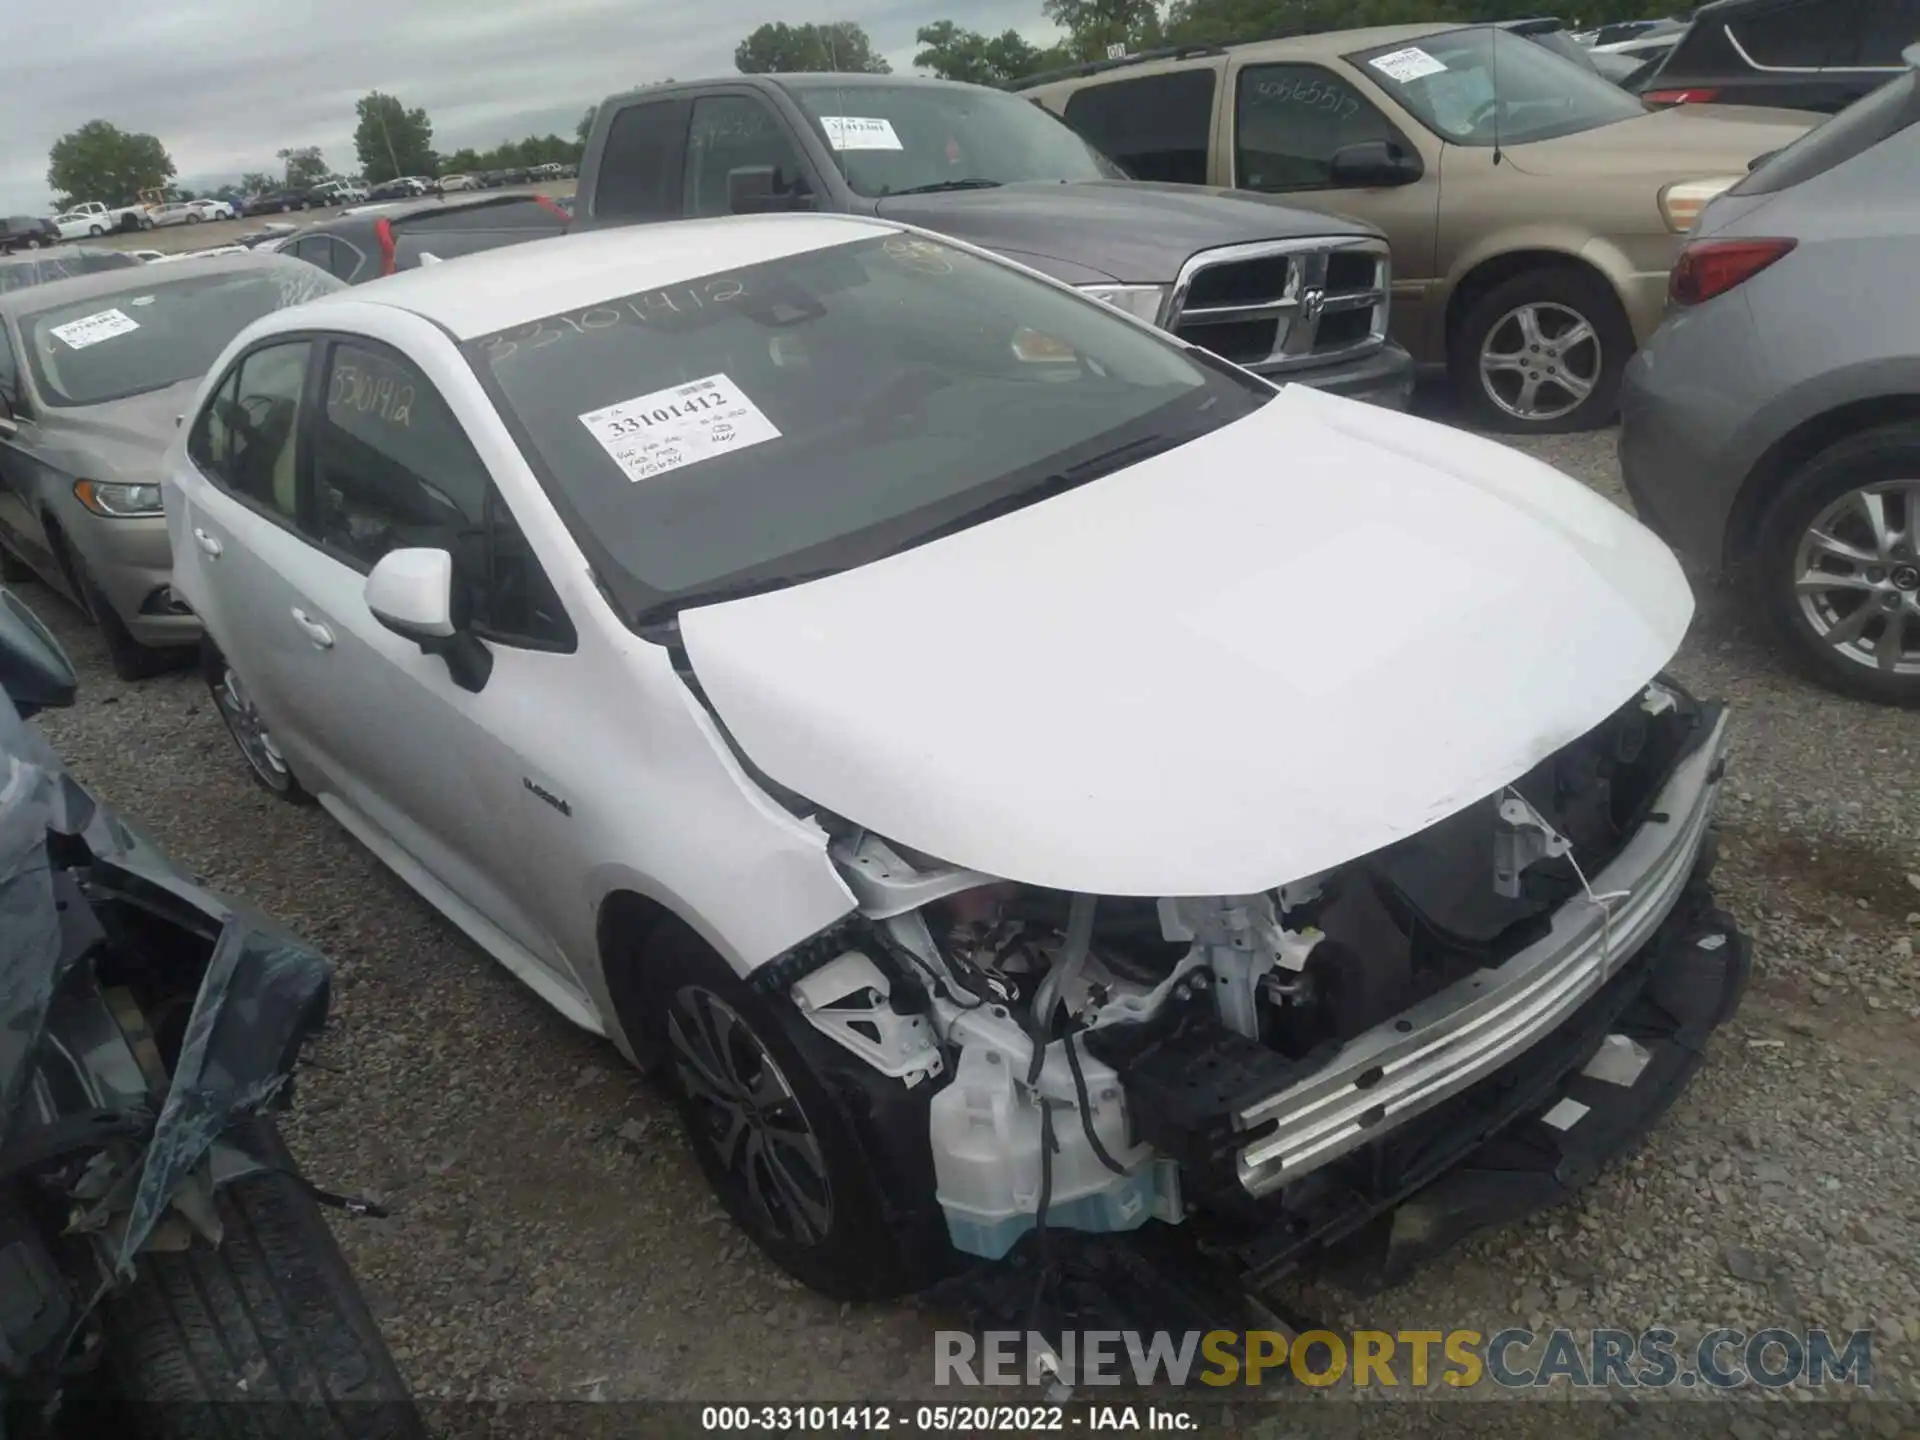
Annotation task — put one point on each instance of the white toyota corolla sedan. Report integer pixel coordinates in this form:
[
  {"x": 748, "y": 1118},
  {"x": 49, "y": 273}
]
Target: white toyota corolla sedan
[{"x": 1012, "y": 770}]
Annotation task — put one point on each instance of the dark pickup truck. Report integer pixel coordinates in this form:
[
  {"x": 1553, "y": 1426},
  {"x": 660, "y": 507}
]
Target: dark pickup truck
[{"x": 1286, "y": 293}]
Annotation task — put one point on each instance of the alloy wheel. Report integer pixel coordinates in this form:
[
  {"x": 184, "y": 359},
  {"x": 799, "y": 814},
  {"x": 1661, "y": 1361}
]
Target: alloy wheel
[
  {"x": 748, "y": 1113},
  {"x": 1857, "y": 576},
  {"x": 250, "y": 731},
  {"x": 1540, "y": 361}
]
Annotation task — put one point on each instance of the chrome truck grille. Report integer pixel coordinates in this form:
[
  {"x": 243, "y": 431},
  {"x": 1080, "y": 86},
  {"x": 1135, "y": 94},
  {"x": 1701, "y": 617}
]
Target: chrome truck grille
[{"x": 1285, "y": 305}]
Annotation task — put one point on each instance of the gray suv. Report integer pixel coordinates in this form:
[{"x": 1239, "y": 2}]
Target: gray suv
[
  {"x": 1771, "y": 427},
  {"x": 1288, "y": 294}
]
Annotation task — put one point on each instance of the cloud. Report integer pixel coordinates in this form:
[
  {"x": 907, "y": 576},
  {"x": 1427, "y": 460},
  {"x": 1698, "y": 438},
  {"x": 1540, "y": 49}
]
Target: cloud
[{"x": 226, "y": 83}]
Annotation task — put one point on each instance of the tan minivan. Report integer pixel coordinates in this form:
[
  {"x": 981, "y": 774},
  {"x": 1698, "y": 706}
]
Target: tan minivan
[{"x": 1534, "y": 209}]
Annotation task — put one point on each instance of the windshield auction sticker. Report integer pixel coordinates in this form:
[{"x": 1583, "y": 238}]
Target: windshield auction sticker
[
  {"x": 860, "y": 132},
  {"x": 1412, "y": 63},
  {"x": 671, "y": 429},
  {"x": 92, "y": 329}
]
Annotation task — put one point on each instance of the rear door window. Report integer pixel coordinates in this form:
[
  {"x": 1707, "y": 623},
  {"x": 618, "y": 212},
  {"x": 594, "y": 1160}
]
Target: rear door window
[
  {"x": 1290, "y": 120},
  {"x": 246, "y": 436},
  {"x": 1796, "y": 35},
  {"x": 1157, "y": 127},
  {"x": 639, "y": 177}
]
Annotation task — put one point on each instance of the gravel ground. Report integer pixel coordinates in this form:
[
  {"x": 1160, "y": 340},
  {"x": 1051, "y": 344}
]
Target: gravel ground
[{"x": 553, "y": 1239}]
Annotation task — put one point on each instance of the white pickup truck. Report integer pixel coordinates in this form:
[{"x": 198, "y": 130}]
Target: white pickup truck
[{"x": 93, "y": 218}]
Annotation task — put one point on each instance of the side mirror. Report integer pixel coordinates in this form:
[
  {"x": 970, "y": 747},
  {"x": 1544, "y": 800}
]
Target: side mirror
[
  {"x": 755, "y": 190},
  {"x": 34, "y": 670},
  {"x": 411, "y": 592},
  {"x": 1375, "y": 164}
]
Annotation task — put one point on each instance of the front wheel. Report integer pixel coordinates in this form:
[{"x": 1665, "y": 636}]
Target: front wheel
[
  {"x": 821, "y": 1160},
  {"x": 1541, "y": 353},
  {"x": 95, "y": 230},
  {"x": 1836, "y": 568},
  {"x": 267, "y": 1334}
]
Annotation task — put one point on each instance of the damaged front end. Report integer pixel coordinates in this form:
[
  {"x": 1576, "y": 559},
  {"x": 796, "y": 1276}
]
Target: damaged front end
[
  {"x": 1447, "y": 1031},
  {"x": 142, "y": 1019}
]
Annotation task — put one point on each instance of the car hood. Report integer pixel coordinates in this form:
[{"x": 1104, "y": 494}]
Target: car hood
[
  {"x": 1681, "y": 141},
  {"x": 1126, "y": 230},
  {"x": 1270, "y": 651},
  {"x": 128, "y": 436}
]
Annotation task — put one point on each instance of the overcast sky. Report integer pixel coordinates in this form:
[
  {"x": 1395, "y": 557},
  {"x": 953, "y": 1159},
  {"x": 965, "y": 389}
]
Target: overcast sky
[{"x": 226, "y": 83}]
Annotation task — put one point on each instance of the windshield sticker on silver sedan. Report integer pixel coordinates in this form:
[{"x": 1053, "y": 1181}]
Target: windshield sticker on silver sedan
[
  {"x": 860, "y": 132},
  {"x": 92, "y": 329},
  {"x": 1412, "y": 63},
  {"x": 680, "y": 426}
]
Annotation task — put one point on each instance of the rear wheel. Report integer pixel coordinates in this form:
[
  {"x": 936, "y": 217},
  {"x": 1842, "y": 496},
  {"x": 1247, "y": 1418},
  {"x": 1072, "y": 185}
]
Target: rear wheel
[
  {"x": 821, "y": 1160},
  {"x": 264, "y": 1336},
  {"x": 248, "y": 728},
  {"x": 1541, "y": 353},
  {"x": 1836, "y": 568}
]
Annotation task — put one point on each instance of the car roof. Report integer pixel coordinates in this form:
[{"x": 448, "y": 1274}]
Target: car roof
[
  {"x": 128, "y": 277},
  {"x": 1324, "y": 45},
  {"x": 516, "y": 284}
]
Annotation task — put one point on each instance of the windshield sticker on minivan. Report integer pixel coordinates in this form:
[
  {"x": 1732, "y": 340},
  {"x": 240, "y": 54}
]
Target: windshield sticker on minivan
[
  {"x": 860, "y": 132},
  {"x": 92, "y": 329},
  {"x": 1412, "y": 63},
  {"x": 670, "y": 429}
]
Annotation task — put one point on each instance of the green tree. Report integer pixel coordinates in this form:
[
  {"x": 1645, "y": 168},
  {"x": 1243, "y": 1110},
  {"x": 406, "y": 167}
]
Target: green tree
[
  {"x": 100, "y": 161},
  {"x": 781, "y": 48},
  {"x": 305, "y": 166},
  {"x": 392, "y": 140},
  {"x": 255, "y": 182},
  {"x": 1094, "y": 25},
  {"x": 1004, "y": 60},
  {"x": 461, "y": 162}
]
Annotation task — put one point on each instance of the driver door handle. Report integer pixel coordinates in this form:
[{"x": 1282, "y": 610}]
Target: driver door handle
[
  {"x": 207, "y": 544},
  {"x": 319, "y": 634}
]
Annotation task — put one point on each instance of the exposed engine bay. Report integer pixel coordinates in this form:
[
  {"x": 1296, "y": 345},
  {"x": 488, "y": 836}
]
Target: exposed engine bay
[{"x": 1095, "y": 1061}]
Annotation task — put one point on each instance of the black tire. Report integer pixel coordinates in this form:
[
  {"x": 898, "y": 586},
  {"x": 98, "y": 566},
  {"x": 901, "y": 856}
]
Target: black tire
[
  {"x": 1890, "y": 453},
  {"x": 229, "y": 703},
  {"x": 1564, "y": 289},
  {"x": 267, "y": 1336},
  {"x": 885, "y": 1234},
  {"x": 95, "y": 230}
]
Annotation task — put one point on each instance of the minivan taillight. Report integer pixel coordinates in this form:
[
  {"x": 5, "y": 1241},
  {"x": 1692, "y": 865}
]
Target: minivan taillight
[
  {"x": 1693, "y": 95},
  {"x": 1707, "y": 268},
  {"x": 389, "y": 252}
]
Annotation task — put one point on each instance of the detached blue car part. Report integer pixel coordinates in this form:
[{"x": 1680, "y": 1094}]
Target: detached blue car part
[{"x": 148, "y": 1028}]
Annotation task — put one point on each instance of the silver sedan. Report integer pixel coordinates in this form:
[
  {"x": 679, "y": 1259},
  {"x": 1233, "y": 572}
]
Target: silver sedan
[{"x": 94, "y": 372}]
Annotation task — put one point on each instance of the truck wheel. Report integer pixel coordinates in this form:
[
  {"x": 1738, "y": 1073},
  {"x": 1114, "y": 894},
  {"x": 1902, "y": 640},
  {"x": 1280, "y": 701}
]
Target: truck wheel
[
  {"x": 1541, "y": 353},
  {"x": 1836, "y": 567},
  {"x": 266, "y": 1335},
  {"x": 95, "y": 230},
  {"x": 821, "y": 1160}
]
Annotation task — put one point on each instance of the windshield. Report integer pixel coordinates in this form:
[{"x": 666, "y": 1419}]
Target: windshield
[
  {"x": 903, "y": 139},
  {"x": 1481, "y": 85},
  {"x": 814, "y": 413},
  {"x": 150, "y": 334}
]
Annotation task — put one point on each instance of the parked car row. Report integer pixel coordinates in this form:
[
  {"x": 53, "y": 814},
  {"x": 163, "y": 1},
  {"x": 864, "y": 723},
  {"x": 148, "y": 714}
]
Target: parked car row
[{"x": 1534, "y": 211}]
